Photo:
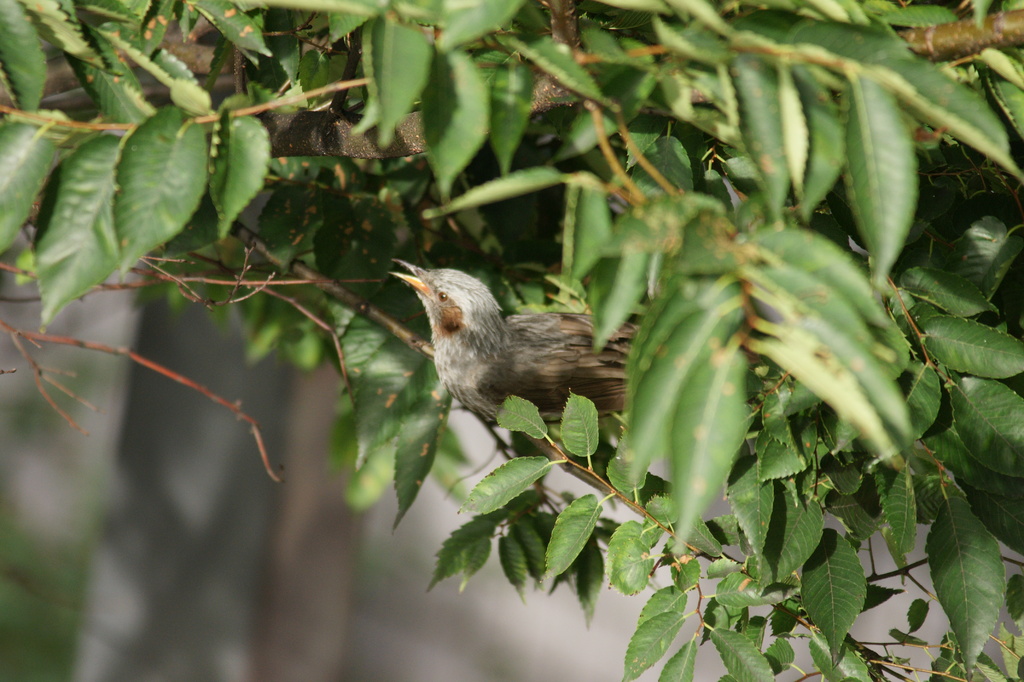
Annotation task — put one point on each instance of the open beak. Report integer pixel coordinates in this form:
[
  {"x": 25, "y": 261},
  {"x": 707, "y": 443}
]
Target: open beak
[{"x": 412, "y": 280}]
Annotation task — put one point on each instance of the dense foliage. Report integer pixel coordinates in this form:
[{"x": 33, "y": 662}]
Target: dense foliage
[{"x": 808, "y": 209}]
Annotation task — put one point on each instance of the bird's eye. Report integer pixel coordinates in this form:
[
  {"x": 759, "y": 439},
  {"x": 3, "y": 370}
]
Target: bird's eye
[{"x": 442, "y": 297}]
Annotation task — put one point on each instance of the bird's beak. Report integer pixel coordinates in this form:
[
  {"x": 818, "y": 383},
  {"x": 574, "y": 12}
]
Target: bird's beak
[{"x": 412, "y": 280}]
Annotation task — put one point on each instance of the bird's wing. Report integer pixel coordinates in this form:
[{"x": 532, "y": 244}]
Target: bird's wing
[{"x": 556, "y": 356}]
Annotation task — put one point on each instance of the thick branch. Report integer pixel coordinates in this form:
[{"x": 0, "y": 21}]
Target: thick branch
[
  {"x": 322, "y": 133},
  {"x": 945, "y": 42}
]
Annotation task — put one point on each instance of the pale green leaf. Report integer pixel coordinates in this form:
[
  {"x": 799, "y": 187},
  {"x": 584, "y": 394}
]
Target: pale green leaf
[
  {"x": 517, "y": 414},
  {"x": 741, "y": 658},
  {"x": 239, "y": 161},
  {"x": 398, "y": 65},
  {"x": 467, "y": 21},
  {"x": 881, "y": 173},
  {"x": 78, "y": 247},
  {"x": 579, "y": 426},
  {"x": 505, "y": 483},
  {"x": 680, "y": 667},
  {"x": 511, "y": 93},
  {"x": 572, "y": 530},
  {"x": 22, "y": 62},
  {"x": 514, "y": 184},
  {"x": 557, "y": 61},
  {"x": 757, "y": 85},
  {"x": 25, "y": 158},
  {"x": 650, "y": 642},
  {"x": 237, "y": 26}
]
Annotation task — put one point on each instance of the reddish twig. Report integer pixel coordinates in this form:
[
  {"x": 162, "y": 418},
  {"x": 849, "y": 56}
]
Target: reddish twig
[{"x": 37, "y": 338}]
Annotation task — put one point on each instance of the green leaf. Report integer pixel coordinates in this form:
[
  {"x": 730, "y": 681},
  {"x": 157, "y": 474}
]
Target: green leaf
[
  {"x": 615, "y": 289},
  {"x": 757, "y": 85},
  {"x": 990, "y": 419},
  {"x": 514, "y": 184},
  {"x": 680, "y": 667},
  {"x": 572, "y": 530},
  {"x": 710, "y": 425},
  {"x": 669, "y": 157},
  {"x": 505, "y": 483},
  {"x": 984, "y": 253},
  {"x": 456, "y": 111},
  {"x": 77, "y": 248},
  {"x": 557, "y": 61},
  {"x": 25, "y": 157},
  {"x": 1015, "y": 599},
  {"x": 1003, "y": 516},
  {"x": 588, "y": 231},
  {"x": 168, "y": 71},
  {"x": 898, "y": 508},
  {"x": 916, "y": 614},
  {"x": 235, "y": 25},
  {"x": 833, "y": 587},
  {"x": 57, "y": 26},
  {"x": 467, "y": 549},
  {"x": 398, "y": 65},
  {"x": 290, "y": 219},
  {"x": 161, "y": 175},
  {"x": 589, "y": 578},
  {"x": 670, "y": 347},
  {"x": 579, "y": 426},
  {"x": 751, "y": 501},
  {"x": 22, "y": 62},
  {"x": 968, "y": 575},
  {"x": 849, "y": 667},
  {"x": 357, "y": 240},
  {"x": 826, "y": 155},
  {"x": 739, "y": 591},
  {"x": 239, "y": 160},
  {"x": 969, "y": 346},
  {"x": 113, "y": 86},
  {"x": 512, "y": 558},
  {"x": 795, "y": 530},
  {"x": 629, "y": 556},
  {"x": 741, "y": 658},
  {"x": 465, "y": 22},
  {"x": 422, "y": 420},
  {"x": 511, "y": 92},
  {"x": 947, "y": 290},
  {"x": 517, "y": 414},
  {"x": 650, "y": 642},
  {"x": 921, "y": 386},
  {"x": 882, "y": 173}
]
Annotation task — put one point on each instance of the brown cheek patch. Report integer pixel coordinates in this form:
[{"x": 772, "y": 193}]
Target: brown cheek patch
[{"x": 451, "y": 320}]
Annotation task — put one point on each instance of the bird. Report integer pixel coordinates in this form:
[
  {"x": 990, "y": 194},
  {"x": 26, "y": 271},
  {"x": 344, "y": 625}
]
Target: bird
[{"x": 482, "y": 357}]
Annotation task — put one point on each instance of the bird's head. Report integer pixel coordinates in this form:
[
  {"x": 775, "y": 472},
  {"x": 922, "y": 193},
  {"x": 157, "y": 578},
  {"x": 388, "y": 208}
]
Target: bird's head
[{"x": 458, "y": 305}]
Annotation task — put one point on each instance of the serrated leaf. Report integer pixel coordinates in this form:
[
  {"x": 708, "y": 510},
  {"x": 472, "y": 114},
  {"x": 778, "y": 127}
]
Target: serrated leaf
[
  {"x": 422, "y": 418},
  {"x": 780, "y": 655},
  {"x": 921, "y": 386},
  {"x": 794, "y": 532},
  {"x": 467, "y": 548},
  {"x": 21, "y": 58},
  {"x": 25, "y": 158},
  {"x": 184, "y": 91},
  {"x": 290, "y": 219},
  {"x": 589, "y": 578},
  {"x": 1015, "y": 599},
  {"x": 511, "y": 92},
  {"x": 680, "y": 667},
  {"x": 751, "y": 501},
  {"x": 78, "y": 248},
  {"x": 573, "y": 528},
  {"x": 357, "y": 240},
  {"x": 670, "y": 348},
  {"x": 669, "y": 157},
  {"x": 881, "y": 173},
  {"x": 517, "y": 414},
  {"x": 1002, "y": 515},
  {"x": 737, "y": 590},
  {"x": 161, "y": 176},
  {"x": 947, "y": 290},
  {"x": 239, "y": 161},
  {"x": 849, "y": 667},
  {"x": 989, "y": 418},
  {"x": 514, "y": 184},
  {"x": 398, "y": 65},
  {"x": 512, "y": 558},
  {"x": 741, "y": 658},
  {"x": 969, "y": 346},
  {"x": 456, "y": 112},
  {"x": 615, "y": 289},
  {"x": 56, "y": 26},
  {"x": 465, "y": 22},
  {"x": 580, "y": 433},
  {"x": 629, "y": 557},
  {"x": 234, "y": 24},
  {"x": 899, "y": 508},
  {"x": 650, "y": 642},
  {"x": 916, "y": 614},
  {"x": 826, "y": 155},
  {"x": 556, "y": 60},
  {"x": 968, "y": 575},
  {"x": 757, "y": 85},
  {"x": 833, "y": 587},
  {"x": 984, "y": 253},
  {"x": 503, "y": 484}
]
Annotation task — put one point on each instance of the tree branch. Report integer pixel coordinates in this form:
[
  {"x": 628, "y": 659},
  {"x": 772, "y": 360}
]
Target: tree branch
[{"x": 945, "y": 42}]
